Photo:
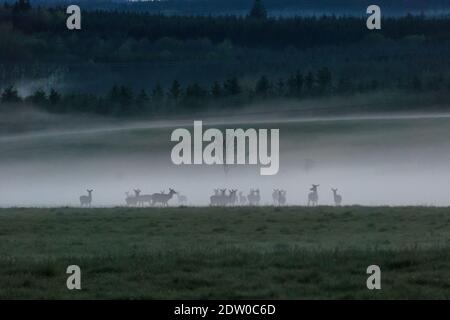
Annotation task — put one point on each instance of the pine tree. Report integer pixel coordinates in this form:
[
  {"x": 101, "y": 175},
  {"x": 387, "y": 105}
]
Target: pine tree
[
  {"x": 21, "y": 6},
  {"x": 216, "y": 90},
  {"x": 232, "y": 86},
  {"x": 141, "y": 101},
  {"x": 126, "y": 98},
  {"x": 142, "y": 97},
  {"x": 157, "y": 93},
  {"x": 157, "y": 98},
  {"x": 324, "y": 79},
  {"x": 416, "y": 84},
  {"x": 309, "y": 82},
  {"x": 54, "y": 97},
  {"x": 39, "y": 97},
  {"x": 175, "y": 90},
  {"x": 10, "y": 95},
  {"x": 280, "y": 91},
  {"x": 298, "y": 83},
  {"x": 114, "y": 94},
  {"x": 258, "y": 11},
  {"x": 262, "y": 87}
]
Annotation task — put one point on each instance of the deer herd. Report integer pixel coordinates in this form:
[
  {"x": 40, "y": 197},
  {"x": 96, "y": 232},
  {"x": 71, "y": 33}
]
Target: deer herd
[{"x": 220, "y": 198}]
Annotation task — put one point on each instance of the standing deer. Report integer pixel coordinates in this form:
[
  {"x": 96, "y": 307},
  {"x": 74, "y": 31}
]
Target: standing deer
[
  {"x": 142, "y": 199},
  {"x": 254, "y": 197},
  {"x": 86, "y": 200},
  {"x": 242, "y": 199},
  {"x": 337, "y": 198},
  {"x": 163, "y": 198},
  {"x": 232, "y": 197},
  {"x": 130, "y": 200},
  {"x": 222, "y": 199},
  {"x": 275, "y": 196},
  {"x": 216, "y": 199},
  {"x": 282, "y": 197},
  {"x": 313, "y": 196}
]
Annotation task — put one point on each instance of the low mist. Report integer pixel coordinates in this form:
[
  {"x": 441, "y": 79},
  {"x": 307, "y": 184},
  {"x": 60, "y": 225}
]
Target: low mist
[{"x": 371, "y": 160}]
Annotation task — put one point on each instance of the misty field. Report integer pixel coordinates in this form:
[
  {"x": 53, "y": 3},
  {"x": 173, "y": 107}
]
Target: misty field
[
  {"x": 373, "y": 161},
  {"x": 224, "y": 253}
]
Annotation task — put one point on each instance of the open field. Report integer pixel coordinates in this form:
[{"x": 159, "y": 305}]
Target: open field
[{"x": 266, "y": 252}]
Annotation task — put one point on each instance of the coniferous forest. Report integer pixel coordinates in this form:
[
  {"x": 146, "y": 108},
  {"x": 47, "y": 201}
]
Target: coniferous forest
[{"x": 227, "y": 62}]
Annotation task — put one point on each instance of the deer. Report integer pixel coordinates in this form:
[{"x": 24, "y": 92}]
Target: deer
[
  {"x": 281, "y": 197},
  {"x": 182, "y": 200},
  {"x": 222, "y": 199},
  {"x": 231, "y": 199},
  {"x": 313, "y": 196},
  {"x": 275, "y": 196},
  {"x": 337, "y": 198},
  {"x": 142, "y": 199},
  {"x": 86, "y": 200},
  {"x": 242, "y": 199},
  {"x": 163, "y": 198},
  {"x": 131, "y": 200},
  {"x": 216, "y": 199},
  {"x": 254, "y": 197}
]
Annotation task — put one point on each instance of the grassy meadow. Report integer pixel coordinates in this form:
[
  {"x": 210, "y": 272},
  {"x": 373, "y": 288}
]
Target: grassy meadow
[{"x": 225, "y": 253}]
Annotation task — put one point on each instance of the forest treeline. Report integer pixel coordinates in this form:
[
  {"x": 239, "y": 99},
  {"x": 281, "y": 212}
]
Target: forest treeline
[
  {"x": 232, "y": 93},
  {"x": 220, "y": 6},
  {"x": 40, "y": 34}
]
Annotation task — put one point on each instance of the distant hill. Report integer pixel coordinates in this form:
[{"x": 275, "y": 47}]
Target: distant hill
[{"x": 275, "y": 7}]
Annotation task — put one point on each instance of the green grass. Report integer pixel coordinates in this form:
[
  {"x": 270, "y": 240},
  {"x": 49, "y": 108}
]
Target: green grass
[{"x": 224, "y": 253}]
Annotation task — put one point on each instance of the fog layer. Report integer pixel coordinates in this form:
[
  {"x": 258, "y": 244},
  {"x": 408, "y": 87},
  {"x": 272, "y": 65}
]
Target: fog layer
[{"x": 371, "y": 160}]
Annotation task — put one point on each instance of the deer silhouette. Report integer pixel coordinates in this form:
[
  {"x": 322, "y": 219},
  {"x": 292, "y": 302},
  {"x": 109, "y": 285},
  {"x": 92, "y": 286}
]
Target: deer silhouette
[
  {"x": 275, "y": 196},
  {"x": 254, "y": 197},
  {"x": 337, "y": 198},
  {"x": 222, "y": 199},
  {"x": 242, "y": 199},
  {"x": 282, "y": 197},
  {"x": 216, "y": 199},
  {"x": 130, "y": 200},
  {"x": 163, "y": 198},
  {"x": 137, "y": 193},
  {"x": 86, "y": 200},
  {"x": 142, "y": 199},
  {"x": 232, "y": 197},
  {"x": 313, "y": 196}
]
